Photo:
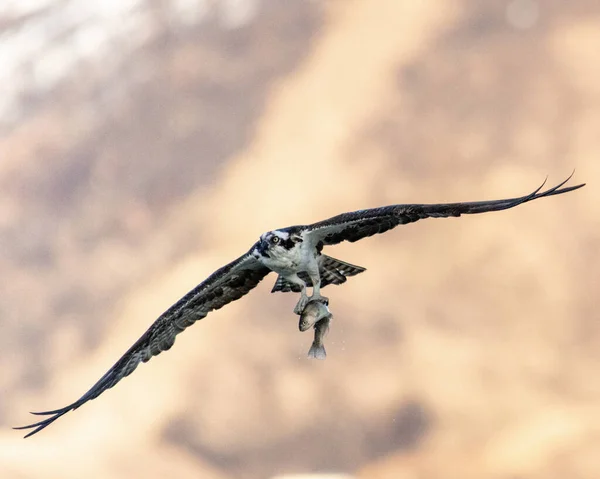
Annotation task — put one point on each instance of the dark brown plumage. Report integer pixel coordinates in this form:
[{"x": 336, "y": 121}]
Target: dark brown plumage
[
  {"x": 363, "y": 223},
  {"x": 225, "y": 285}
]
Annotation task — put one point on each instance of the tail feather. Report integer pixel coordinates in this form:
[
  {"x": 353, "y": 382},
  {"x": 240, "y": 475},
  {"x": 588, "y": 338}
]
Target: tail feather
[
  {"x": 282, "y": 285},
  {"x": 340, "y": 267},
  {"x": 332, "y": 276},
  {"x": 331, "y": 270}
]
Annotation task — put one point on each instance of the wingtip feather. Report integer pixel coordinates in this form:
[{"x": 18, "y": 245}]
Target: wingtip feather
[{"x": 38, "y": 426}]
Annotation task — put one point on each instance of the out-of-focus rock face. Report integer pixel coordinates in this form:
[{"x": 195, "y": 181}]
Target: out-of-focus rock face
[
  {"x": 145, "y": 144},
  {"x": 133, "y": 131}
]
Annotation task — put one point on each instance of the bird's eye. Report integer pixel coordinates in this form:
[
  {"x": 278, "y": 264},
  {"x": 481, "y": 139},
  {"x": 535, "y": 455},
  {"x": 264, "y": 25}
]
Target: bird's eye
[{"x": 275, "y": 239}]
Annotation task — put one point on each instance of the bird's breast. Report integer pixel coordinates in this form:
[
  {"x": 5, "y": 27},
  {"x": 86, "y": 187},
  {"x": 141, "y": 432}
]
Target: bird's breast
[{"x": 288, "y": 261}]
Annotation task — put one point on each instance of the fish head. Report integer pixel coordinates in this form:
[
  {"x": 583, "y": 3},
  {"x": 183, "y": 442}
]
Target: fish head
[{"x": 313, "y": 312}]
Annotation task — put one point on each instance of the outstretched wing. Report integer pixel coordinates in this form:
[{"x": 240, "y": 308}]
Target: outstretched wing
[
  {"x": 225, "y": 285},
  {"x": 360, "y": 224}
]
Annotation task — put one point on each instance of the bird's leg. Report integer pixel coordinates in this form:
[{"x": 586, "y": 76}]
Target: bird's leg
[
  {"x": 303, "y": 301},
  {"x": 316, "y": 292}
]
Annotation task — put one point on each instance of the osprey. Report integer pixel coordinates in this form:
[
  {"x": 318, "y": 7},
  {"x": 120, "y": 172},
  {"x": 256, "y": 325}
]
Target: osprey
[{"x": 295, "y": 254}]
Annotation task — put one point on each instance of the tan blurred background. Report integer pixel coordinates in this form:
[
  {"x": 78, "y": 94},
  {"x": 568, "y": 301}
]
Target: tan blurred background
[{"x": 143, "y": 144}]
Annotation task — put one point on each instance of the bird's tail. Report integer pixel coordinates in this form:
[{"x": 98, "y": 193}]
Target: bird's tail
[{"x": 331, "y": 270}]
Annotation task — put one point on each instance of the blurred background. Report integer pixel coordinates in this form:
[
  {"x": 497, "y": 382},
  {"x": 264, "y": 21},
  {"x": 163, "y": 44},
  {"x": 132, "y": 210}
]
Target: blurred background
[{"x": 145, "y": 143}]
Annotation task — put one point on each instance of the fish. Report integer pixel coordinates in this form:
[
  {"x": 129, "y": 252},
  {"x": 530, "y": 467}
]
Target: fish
[
  {"x": 316, "y": 314},
  {"x": 317, "y": 349},
  {"x": 312, "y": 313}
]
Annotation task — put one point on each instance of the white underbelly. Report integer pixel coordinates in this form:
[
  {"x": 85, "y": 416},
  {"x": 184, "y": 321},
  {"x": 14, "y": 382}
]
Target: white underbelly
[
  {"x": 282, "y": 267},
  {"x": 289, "y": 263}
]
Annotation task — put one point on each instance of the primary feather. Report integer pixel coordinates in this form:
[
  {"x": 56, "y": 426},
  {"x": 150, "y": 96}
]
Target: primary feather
[{"x": 225, "y": 285}]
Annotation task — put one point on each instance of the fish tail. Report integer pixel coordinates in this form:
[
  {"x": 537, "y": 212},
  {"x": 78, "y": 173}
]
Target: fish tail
[{"x": 317, "y": 351}]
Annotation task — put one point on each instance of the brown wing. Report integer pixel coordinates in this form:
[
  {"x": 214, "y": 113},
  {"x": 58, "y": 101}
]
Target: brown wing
[
  {"x": 225, "y": 285},
  {"x": 361, "y": 224}
]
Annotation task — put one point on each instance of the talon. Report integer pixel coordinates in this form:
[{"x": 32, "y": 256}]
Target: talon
[
  {"x": 302, "y": 302},
  {"x": 320, "y": 299}
]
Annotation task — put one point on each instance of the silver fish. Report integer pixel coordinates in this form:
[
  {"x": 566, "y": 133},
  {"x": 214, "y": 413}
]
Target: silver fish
[
  {"x": 317, "y": 349},
  {"x": 312, "y": 313},
  {"x": 316, "y": 314}
]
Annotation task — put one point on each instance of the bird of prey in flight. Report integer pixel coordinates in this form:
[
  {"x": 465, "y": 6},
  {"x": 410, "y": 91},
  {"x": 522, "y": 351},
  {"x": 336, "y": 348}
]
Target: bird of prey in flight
[{"x": 295, "y": 254}]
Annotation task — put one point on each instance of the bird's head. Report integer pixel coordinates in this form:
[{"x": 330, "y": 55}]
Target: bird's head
[{"x": 277, "y": 241}]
